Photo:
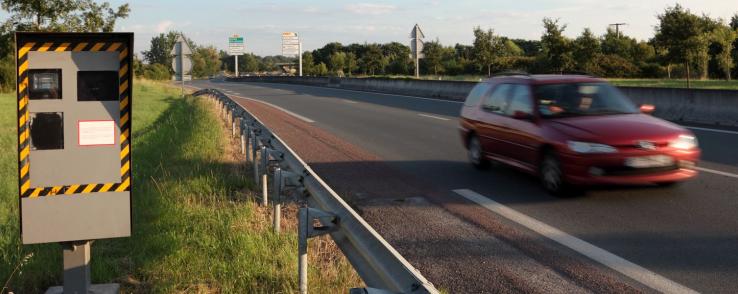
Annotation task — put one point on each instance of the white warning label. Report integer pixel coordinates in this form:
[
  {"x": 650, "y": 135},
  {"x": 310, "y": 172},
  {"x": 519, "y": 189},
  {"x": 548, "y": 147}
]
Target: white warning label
[{"x": 96, "y": 133}]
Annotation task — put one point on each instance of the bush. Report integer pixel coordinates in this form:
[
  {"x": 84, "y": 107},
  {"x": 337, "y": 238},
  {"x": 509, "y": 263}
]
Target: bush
[
  {"x": 156, "y": 71},
  {"x": 7, "y": 74},
  {"x": 616, "y": 66},
  {"x": 653, "y": 70}
]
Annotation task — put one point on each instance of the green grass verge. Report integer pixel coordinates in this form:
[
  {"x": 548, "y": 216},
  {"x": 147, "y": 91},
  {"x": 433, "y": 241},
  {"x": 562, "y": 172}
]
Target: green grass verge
[
  {"x": 664, "y": 83},
  {"x": 656, "y": 83},
  {"x": 195, "y": 227}
]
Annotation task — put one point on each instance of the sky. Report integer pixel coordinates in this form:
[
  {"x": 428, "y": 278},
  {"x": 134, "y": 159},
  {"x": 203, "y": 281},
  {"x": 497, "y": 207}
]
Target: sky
[{"x": 319, "y": 22}]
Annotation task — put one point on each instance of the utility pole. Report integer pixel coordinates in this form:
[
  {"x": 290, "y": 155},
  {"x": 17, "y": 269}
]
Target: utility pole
[{"x": 617, "y": 27}]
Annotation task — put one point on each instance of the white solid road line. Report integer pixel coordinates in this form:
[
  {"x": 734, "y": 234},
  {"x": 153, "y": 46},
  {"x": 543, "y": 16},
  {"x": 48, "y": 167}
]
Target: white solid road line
[
  {"x": 378, "y": 93},
  {"x": 300, "y": 117},
  {"x": 713, "y": 130},
  {"x": 717, "y": 172},
  {"x": 627, "y": 268},
  {"x": 433, "y": 116},
  {"x": 350, "y": 101}
]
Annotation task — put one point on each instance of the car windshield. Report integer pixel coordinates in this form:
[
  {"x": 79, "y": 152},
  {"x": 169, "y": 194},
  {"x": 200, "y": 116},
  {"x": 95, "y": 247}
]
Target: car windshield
[{"x": 580, "y": 99}]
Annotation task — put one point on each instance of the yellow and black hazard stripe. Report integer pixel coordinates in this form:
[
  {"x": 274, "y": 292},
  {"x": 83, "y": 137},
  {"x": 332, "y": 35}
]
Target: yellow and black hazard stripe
[{"x": 124, "y": 91}]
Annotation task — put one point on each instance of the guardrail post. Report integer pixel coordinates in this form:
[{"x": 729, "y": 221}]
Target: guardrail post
[
  {"x": 302, "y": 245},
  {"x": 255, "y": 164},
  {"x": 264, "y": 163},
  {"x": 233, "y": 128},
  {"x": 243, "y": 143},
  {"x": 305, "y": 230},
  {"x": 277, "y": 199}
]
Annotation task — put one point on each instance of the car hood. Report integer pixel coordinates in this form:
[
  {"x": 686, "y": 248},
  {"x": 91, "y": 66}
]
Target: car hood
[{"x": 618, "y": 130}]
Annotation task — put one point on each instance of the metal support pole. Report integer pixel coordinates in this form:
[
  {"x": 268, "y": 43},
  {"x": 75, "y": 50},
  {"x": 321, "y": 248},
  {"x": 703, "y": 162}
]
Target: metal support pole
[
  {"x": 299, "y": 56},
  {"x": 236, "y": 65},
  {"x": 302, "y": 243},
  {"x": 277, "y": 219},
  {"x": 77, "y": 267}
]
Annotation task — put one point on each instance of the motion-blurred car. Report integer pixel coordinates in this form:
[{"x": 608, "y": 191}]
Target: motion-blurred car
[{"x": 573, "y": 131}]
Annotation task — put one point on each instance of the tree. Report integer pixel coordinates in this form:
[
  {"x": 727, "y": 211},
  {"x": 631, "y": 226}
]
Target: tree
[
  {"x": 160, "y": 49},
  {"x": 64, "y": 15},
  {"x": 433, "y": 52},
  {"x": 734, "y": 21},
  {"x": 321, "y": 70},
  {"x": 351, "y": 63},
  {"x": 508, "y": 55},
  {"x": 324, "y": 54},
  {"x": 679, "y": 32},
  {"x": 308, "y": 64},
  {"x": 557, "y": 51},
  {"x": 373, "y": 59},
  {"x": 398, "y": 57},
  {"x": 336, "y": 63},
  {"x": 724, "y": 37},
  {"x": 486, "y": 46},
  {"x": 205, "y": 62},
  {"x": 586, "y": 49}
]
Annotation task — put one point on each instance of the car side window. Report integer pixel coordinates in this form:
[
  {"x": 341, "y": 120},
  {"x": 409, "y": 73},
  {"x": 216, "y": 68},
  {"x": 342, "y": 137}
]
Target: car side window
[
  {"x": 496, "y": 101},
  {"x": 476, "y": 94},
  {"x": 521, "y": 100}
]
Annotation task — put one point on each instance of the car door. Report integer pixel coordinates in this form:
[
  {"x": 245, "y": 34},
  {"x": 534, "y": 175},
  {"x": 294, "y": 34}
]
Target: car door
[
  {"x": 491, "y": 119},
  {"x": 519, "y": 132}
]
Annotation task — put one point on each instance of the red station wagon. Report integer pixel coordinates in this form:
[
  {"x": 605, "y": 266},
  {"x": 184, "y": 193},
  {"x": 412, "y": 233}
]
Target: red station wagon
[{"x": 573, "y": 131}]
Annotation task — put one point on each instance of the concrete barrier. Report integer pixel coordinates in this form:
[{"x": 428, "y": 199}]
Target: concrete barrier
[{"x": 716, "y": 107}]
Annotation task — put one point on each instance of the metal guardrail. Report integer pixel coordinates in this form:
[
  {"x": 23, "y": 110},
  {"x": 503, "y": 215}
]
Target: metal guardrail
[{"x": 380, "y": 266}]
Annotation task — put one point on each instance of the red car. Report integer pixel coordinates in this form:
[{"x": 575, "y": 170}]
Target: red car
[{"x": 573, "y": 131}]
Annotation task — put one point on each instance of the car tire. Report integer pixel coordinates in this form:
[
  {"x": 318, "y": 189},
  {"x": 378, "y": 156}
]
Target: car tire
[
  {"x": 552, "y": 177},
  {"x": 476, "y": 153}
]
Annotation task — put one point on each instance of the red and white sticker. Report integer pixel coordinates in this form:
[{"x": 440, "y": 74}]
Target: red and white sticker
[{"x": 96, "y": 132}]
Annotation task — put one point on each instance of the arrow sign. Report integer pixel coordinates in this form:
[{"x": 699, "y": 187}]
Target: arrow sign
[
  {"x": 417, "y": 33},
  {"x": 182, "y": 64}
]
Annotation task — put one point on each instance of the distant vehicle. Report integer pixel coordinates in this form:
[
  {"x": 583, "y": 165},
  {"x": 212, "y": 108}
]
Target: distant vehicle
[{"x": 573, "y": 131}]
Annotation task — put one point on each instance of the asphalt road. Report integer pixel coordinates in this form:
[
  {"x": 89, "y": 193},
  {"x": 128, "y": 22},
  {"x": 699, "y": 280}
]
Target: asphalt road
[{"x": 687, "y": 233}]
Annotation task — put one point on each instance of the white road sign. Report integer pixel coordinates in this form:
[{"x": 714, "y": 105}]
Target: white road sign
[
  {"x": 290, "y": 44},
  {"x": 235, "y": 45}
]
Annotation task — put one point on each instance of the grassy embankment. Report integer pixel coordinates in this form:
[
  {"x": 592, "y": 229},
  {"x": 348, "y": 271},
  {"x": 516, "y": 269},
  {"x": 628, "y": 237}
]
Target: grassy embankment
[{"x": 196, "y": 227}]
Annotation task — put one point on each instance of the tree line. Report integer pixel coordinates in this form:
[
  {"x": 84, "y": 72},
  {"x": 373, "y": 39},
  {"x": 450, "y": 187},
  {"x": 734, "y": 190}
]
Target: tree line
[
  {"x": 684, "y": 45},
  {"x": 50, "y": 16}
]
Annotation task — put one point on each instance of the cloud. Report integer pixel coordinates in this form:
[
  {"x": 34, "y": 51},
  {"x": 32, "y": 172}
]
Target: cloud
[
  {"x": 370, "y": 8},
  {"x": 164, "y": 26}
]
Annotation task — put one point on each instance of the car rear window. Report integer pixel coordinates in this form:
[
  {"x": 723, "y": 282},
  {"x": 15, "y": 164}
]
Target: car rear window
[{"x": 476, "y": 94}]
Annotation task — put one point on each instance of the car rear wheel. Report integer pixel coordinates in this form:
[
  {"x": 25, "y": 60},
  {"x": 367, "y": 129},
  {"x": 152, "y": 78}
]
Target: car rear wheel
[
  {"x": 476, "y": 154},
  {"x": 552, "y": 176}
]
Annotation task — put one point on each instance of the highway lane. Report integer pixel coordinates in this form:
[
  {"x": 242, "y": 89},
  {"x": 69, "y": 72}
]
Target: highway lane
[{"x": 688, "y": 233}]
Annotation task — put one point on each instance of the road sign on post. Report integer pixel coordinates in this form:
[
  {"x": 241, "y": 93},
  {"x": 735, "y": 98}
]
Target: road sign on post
[
  {"x": 291, "y": 46},
  {"x": 181, "y": 63},
  {"x": 235, "y": 48},
  {"x": 416, "y": 47},
  {"x": 74, "y": 143}
]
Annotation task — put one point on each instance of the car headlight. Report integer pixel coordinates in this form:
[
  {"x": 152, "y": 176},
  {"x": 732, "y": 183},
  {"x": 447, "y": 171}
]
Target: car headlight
[
  {"x": 684, "y": 142},
  {"x": 586, "y": 147}
]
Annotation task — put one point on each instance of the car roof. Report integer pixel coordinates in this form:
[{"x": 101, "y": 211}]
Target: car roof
[{"x": 544, "y": 78}]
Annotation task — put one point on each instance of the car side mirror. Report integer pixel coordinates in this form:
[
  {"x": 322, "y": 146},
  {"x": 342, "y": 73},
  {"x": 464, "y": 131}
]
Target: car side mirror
[
  {"x": 647, "y": 108},
  {"x": 522, "y": 115}
]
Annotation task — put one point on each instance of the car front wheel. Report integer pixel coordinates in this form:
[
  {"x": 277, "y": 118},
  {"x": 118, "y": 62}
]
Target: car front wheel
[{"x": 552, "y": 175}]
